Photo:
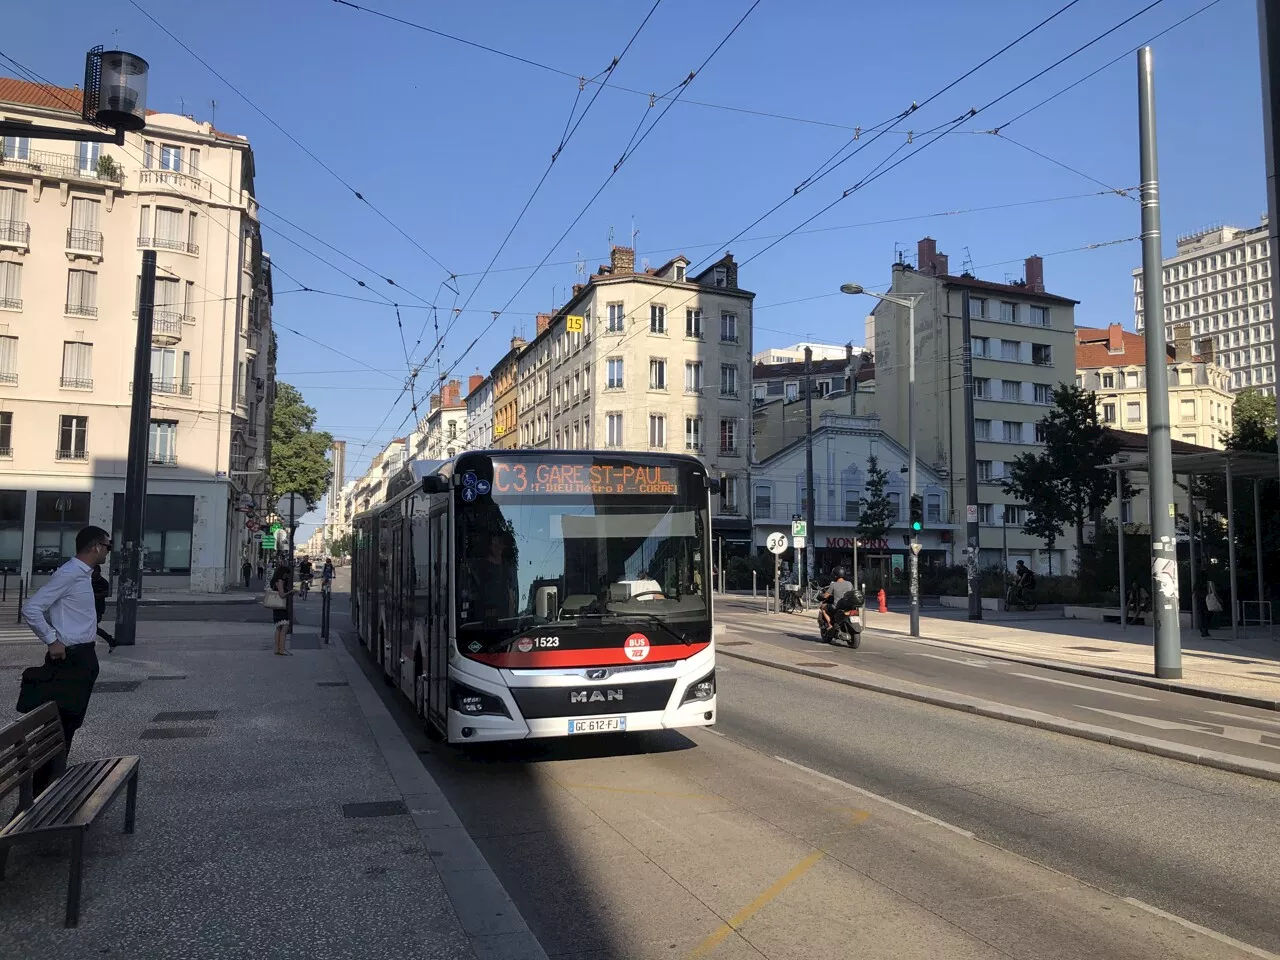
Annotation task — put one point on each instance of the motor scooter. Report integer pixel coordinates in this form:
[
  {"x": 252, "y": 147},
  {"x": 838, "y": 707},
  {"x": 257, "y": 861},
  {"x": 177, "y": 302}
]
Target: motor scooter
[{"x": 846, "y": 624}]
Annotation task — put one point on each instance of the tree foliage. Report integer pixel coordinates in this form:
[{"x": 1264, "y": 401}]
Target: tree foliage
[
  {"x": 878, "y": 513},
  {"x": 1062, "y": 486},
  {"x": 1253, "y": 422},
  {"x": 298, "y": 450},
  {"x": 341, "y": 546}
]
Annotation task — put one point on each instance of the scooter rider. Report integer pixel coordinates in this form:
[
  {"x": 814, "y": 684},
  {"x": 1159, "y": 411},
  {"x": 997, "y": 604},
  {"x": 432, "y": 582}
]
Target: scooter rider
[{"x": 836, "y": 591}]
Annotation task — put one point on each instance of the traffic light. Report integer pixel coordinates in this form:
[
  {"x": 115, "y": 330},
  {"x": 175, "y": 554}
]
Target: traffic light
[{"x": 917, "y": 513}]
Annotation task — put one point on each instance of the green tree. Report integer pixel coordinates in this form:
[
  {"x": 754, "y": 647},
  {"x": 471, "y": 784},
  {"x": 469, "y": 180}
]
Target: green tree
[
  {"x": 341, "y": 546},
  {"x": 878, "y": 513},
  {"x": 1253, "y": 422},
  {"x": 298, "y": 450},
  {"x": 1063, "y": 486}
]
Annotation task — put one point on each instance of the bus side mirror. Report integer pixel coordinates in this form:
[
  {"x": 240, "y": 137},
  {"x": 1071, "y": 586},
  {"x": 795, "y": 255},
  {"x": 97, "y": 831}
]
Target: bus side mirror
[
  {"x": 713, "y": 485},
  {"x": 435, "y": 484}
]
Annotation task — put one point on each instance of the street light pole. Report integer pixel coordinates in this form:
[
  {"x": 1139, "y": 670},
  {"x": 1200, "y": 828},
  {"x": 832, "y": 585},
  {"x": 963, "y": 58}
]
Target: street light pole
[{"x": 909, "y": 301}]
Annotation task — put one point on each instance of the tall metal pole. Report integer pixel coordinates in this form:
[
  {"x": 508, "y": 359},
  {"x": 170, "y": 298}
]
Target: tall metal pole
[
  {"x": 1257, "y": 537},
  {"x": 1164, "y": 557},
  {"x": 135, "y": 484},
  {"x": 913, "y": 558},
  {"x": 292, "y": 532},
  {"x": 1124, "y": 605},
  {"x": 853, "y": 379},
  {"x": 1269, "y": 41},
  {"x": 970, "y": 467},
  {"x": 1193, "y": 553},
  {"x": 1231, "y": 548},
  {"x": 810, "y": 511}
]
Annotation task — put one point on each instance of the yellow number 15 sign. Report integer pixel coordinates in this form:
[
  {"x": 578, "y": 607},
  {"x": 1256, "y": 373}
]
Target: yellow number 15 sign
[{"x": 573, "y": 324}]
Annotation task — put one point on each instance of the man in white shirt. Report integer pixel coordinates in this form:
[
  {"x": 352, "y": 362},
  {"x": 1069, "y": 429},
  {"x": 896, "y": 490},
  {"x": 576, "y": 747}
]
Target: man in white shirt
[{"x": 63, "y": 615}]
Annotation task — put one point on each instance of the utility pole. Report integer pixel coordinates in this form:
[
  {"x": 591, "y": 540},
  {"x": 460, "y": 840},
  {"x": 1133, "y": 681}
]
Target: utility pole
[
  {"x": 913, "y": 559},
  {"x": 1269, "y": 41},
  {"x": 853, "y": 379},
  {"x": 1164, "y": 558},
  {"x": 135, "y": 484},
  {"x": 810, "y": 529},
  {"x": 970, "y": 468}
]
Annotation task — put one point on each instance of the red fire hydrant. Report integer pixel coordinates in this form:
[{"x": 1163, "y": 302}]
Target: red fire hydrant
[{"x": 884, "y": 607}]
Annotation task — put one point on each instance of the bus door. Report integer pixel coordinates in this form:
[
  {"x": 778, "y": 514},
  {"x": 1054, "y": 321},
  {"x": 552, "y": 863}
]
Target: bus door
[
  {"x": 395, "y": 597},
  {"x": 438, "y": 618}
]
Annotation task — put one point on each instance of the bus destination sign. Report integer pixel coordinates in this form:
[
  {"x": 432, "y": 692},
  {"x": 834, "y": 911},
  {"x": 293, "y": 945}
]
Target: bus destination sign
[{"x": 585, "y": 479}]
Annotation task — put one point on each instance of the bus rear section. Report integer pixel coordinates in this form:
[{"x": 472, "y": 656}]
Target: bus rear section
[{"x": 582, "y": 596}]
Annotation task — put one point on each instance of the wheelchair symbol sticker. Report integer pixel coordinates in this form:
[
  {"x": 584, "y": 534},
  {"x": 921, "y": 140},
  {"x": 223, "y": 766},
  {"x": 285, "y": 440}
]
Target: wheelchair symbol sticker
[
  {"x": 482, "y": 487},
  {"x": 469, "y": 478},
  {"x": 468, "y": 494}
]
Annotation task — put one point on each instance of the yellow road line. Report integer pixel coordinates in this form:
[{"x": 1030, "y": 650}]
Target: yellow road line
[
  {"x": 745, "y": 914},
  {"x": 647, "y": 793},
  {"x": 856, "y": 815}
]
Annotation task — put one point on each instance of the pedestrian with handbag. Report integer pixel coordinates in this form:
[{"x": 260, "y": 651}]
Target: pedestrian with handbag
[
  {"x": 63, "y": 614},
  {"x": 276, "y": 600}
]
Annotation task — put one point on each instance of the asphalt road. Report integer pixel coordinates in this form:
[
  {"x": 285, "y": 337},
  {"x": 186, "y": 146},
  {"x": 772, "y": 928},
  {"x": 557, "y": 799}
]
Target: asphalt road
[
  {"x": 1207, "y": 724},
  {"x": 736, "y": 842}
]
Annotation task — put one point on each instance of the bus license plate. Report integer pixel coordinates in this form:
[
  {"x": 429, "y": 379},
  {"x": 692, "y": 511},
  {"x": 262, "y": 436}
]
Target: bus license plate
[{"x": 599, "y": 725}]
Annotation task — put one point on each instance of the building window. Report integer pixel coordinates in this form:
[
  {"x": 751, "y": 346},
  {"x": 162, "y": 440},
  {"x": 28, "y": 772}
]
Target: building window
[
  {"x": 82, "y": 293},
  {"x": 1108, "y": 381},
  {"x": 933, "y": 507},
  {"x": 10, "y": 286},
  {"x": 693, "y": 376},
  {"x": 1012, "y": 431},
  {"x": 1011, "y": 390},
  {"x": 764, "y": 501},
  {"x": 1044, "y": 393},
  {"x": 1042, "y": 354},
  {"x": 83, "y": 234},
  {"x": 1131, "y": 380},
  {"x": 729, "y": 327},
  {"x": 6, "y": 441},
  {"x": 982, "y": 429},
  {"x": 171, "y": 158},
  {"x": 72, "y": 438},
  {"x": 613, "y": 371},
  {"x": 162, "y": 443},
  {"x": 657, "y": 374},
  {"x": 728, "y": 380},
  {"x": 693, "y": 324},
  {"x": 77, "y": 365},
  {"x": 981, "y": 347},
  {"x": 977, "y": 308},
  {"x": 720, "y": 276},
  {"x": 166, "y": 536},
  {"x": 8, "y": 360},
  {"x": 729, "y": 495},
  {"x": 657, "y": 430},
  {"x": 17, "y": 148},
  {"x": 586, "y": 380},
  {"x": 59, "y": 517},
  {"x": 87, "y": 157},
  {"x": 613, "y": 428},
  {"x": 1132, "y": 412},
  {"x": 1108, "y": 413},
  {"x": 985, "y": 470},
  {"x": 729, "y": 436},
  {"x": 1040, "y": 316},
  {"x": 1015, "y": 515},
  {"x": 617, "y": 319},
  {"x": 1039, "y": 433},
  {"x": 1010, "y": 349},
  {"x": 895, "y": 500},
  {"x": 693, "y": 433},
  {"x": 792, "y": 391},
  {"x": 982, "y": 388},
  {"x": 14, "y": 228},
  {"x": 1008, "y": 311},
  {"x": 657, "y": 318},
  {"x": 985, "y": 514},
  {"x": 1188, "y": 409},
  {"x": 679, "y": 273}
]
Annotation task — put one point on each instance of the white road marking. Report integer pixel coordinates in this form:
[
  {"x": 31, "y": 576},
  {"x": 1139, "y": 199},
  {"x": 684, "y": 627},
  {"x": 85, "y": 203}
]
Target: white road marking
[
  {"x": 1212, "y": 934},
  {"x": 1083, "y": 686},
  {"x": 1241, "y": 716},
  {"x": 716, "y": 732},
  {"x": 1228, "y": 732},
  {"x": 875, "y": 796},
  {"x": 968, "y": 663}
]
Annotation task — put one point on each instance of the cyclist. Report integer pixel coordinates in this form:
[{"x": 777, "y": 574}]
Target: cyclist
[
  {"x": 1024, "y": 584},
  {"x": 836, "y": 591},
  {"x": 304, "y": 575},
  {"x": 326, "y": 576}
]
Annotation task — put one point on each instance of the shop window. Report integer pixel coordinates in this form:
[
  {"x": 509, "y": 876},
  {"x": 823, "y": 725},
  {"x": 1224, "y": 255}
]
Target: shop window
[
  {"x": 166, "y": 538},
  {"x": 60, "y": 515}
]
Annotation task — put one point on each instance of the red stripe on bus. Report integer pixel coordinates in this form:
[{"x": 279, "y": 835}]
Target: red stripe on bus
[{"x": 594, "y": 657}]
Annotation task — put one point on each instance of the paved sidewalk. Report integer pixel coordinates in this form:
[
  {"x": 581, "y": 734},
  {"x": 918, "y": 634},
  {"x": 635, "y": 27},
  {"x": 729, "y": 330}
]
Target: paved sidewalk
[
  {"x": 1247, "y": 667},
  {"x": 278, "y": 815}
]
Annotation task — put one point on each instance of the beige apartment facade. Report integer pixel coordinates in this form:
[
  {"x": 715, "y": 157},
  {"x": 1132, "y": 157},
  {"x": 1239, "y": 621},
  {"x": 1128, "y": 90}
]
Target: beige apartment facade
[
  {"x": 1023, "y": 344},
  {"x": 533, "y": 405},
  {"x": 1112, "y": 363},
  {"x": 74, "y": 221}
]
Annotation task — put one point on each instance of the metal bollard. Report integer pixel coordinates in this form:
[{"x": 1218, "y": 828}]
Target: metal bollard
[
  {"x": 753, "y": 584},
  {"x": 325, "y": 599}
]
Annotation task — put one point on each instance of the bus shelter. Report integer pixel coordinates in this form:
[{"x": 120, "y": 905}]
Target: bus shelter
[{"x": 1232, "y": 465}]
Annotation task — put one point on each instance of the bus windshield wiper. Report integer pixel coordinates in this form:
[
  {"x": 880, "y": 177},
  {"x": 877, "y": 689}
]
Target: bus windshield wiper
[{"x": 652, "y": 618}]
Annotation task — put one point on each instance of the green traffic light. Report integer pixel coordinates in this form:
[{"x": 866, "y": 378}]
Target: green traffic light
[{"x": 916, "y": 526}]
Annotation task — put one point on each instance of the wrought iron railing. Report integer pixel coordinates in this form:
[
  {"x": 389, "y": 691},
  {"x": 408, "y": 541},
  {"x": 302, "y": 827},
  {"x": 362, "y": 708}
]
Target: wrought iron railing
[
  {"x": 64, "y": 165},
  {"x": 159, "y": 243},
  {"x": 80, "y": 310},
  {"x": 80, "y": 454},
  {"x": 89, "y": 241},
  {"x": 15, "y": 231},
  {"x": 76, "y": 383}
]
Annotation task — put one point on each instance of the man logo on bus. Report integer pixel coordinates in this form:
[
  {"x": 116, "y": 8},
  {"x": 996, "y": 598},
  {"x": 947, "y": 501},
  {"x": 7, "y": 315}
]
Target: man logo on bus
[{"x": 636, "y": 647}]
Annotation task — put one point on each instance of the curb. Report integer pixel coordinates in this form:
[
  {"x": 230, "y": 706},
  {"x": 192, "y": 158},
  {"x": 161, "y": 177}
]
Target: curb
[
  {"x": 1033, "y": 718},
  {"x": 490, "y": 919}
]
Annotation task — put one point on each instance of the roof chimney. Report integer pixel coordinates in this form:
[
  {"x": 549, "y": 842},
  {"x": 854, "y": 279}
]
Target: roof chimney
[
  {"x": 452, "y": 389},
  {"x": 578, "y": 288},
  {"x": 517, "y": 343},
  {"x": 1182, "y": 350},
  {"x": 1115, "y": 338},
  {"x": 622, "y": 260},
  {"x": 941, "y": 265},
  {"x": 544, "y": 321},
  {"x": 927, "y": 255},
  {"x": 473, "y": 383},
  {"x": 1035, "y": 274}
]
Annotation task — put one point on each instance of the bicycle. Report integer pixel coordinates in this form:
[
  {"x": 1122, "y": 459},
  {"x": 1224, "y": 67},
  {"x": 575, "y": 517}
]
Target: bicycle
[{"x": 1024, "y": 599}]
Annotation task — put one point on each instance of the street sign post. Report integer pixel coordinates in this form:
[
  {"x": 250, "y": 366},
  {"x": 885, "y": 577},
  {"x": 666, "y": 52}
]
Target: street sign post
[
  {"x": 293, "y": 506},
  {"x": 799, "y": 529},
  {"x": 777, "y": 543},
  {"x": 798, "y": 542}
]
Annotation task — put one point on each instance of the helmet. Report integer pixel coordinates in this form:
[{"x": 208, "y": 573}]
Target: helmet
[{"x": 839, "y": 572}]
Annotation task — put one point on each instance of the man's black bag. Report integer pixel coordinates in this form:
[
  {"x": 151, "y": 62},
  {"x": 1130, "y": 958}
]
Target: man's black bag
[{"x": 53, "y": 680}]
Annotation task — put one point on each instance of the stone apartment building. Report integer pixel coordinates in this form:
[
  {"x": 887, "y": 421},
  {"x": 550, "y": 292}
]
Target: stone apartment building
[
  {"x": 74, "y": 221},
  {"x": 479, "y": 404},
  {"x": 1023, "y": 344},
  {"x": 1112, "y": 363},
  {"x": 371, "y": 489},
  {"x": 534, "y": 385},
  {"x": 778, "y": 404},
  {"x": 506, "y": 395},
  {"x": 1219, "y": 282},
  {"x": 445, "y": 426}
]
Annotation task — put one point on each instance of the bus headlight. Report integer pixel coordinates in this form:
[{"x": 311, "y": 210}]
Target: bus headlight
[
  {"x": 703, "y": 689},
  {"x": 475, "y": 703}
]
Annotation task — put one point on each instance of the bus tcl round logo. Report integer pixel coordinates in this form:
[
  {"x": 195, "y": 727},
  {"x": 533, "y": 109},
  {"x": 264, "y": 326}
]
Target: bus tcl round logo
[{"x": 636, "y": 647}]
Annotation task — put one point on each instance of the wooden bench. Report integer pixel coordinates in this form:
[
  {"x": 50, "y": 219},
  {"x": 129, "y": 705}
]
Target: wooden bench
[{"x": 72, "y": 802}]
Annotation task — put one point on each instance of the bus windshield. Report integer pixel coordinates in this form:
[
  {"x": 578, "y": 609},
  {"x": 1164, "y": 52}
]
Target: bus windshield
[{"x": 532, "y": 559}]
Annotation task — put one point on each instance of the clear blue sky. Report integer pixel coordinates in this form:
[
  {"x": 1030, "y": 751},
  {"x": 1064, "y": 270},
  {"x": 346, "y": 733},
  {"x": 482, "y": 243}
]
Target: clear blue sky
[{"x": 449, "y": 141}]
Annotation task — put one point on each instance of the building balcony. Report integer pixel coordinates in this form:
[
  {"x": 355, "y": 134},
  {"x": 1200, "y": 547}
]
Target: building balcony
[
  {"x": 166, "y": 328},
  {"x": 81, "y": 454},
  {"x": 9, "y": 379},
  {"x": 15, "y": 233},
  {"x": 6, "y": 453},
  {"x": 10, "y": 303},
  {"x": 171, "y": 181},
  {"x": 80, "y": 310},
  {"x": 75, "y": 383},
  {"x": 162, "y": 459},
  {"x": 63, "y": 166},
  {"x": 168, "y": 387},
  {"x": 158, "y": 243},
  {"x": 84, "y": 241}
]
